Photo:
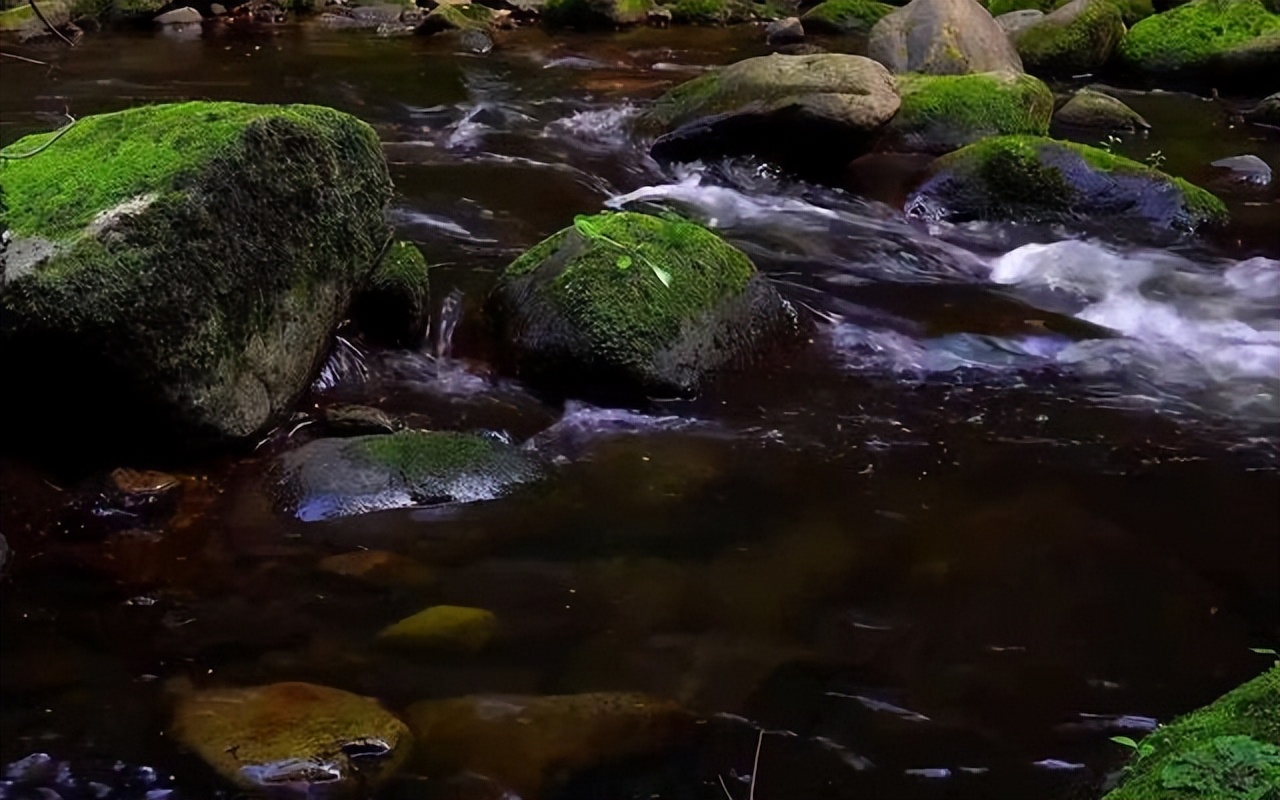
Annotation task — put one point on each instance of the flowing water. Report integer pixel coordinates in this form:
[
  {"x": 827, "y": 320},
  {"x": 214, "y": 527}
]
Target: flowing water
[{"x": 1015, "y": 495}]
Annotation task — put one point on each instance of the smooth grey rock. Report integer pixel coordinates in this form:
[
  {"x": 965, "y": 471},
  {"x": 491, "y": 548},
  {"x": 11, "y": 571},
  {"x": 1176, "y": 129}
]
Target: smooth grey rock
[
  {"x": 180, "y": 16},
  {"x": 1016, "y": 21},
  {"x": 942, "y": 37},
  {"x": 784, "y": 31},
  {"x": 1246, "y": 169}
]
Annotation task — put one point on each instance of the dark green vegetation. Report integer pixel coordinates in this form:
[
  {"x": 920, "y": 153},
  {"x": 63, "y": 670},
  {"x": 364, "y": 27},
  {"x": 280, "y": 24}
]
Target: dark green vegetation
[{"x": 1224, "y": 751}]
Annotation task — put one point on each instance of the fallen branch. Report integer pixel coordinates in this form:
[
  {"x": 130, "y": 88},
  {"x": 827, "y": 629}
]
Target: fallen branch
[
  {"x": 56, "y": 136},
  {"x": 48, "y": 24},
  {"x": 23, "y": 58}
]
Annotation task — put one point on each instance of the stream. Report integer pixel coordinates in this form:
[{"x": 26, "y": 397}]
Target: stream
[{"x": 1015, "y": 494}]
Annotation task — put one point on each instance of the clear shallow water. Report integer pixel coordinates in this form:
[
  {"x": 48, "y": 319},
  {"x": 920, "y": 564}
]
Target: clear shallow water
[{"x": 1017, "y": 490}]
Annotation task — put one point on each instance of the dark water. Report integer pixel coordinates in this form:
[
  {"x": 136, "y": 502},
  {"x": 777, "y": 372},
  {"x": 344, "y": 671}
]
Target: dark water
[{"x": 1018, "y": 492}]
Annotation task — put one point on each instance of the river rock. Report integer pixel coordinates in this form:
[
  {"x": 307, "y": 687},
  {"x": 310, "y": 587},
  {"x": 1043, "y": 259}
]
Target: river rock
[
  {"x": 528, "y": 744},
  {"x": 586, "y": 14},
  {"x": 1088, "y": 108},
  {"x": 468, "y": 17},
  {"x": 941, "y": 113},
  {"x": 1247, "y": 169},
  {"x": 134, "y": 10},
  {"x": 1236, "y": 42},
  {"x": 1017, "y": 21},
  {"x": 348, "y": 419},
  {"x": 796, "y": 110},
  {"x": 379, "y": 568},
  {"x": 1077, "y": 38},
  {"x": 845, "y": 16},
  {"x": 22, "y": 23},
  {"x": 194, "y": 274},
  {"x": 455, "y": 628},
  {"x": 1130, "y": 10},
  {"x": 394, "y": 305},
  {"x": 296, "y": 739},
  {"x": 217, "y": 10},
  {"x": 1266, "y": 112},
  {"x": 711, "y": 12},
  {"x": 331, "y": 478},
  {"x": 180, "y": 16},
  {"x": 1037, "y": 179},
  {"x": 942, "y": 37},
  {"x": 626, "y": 303},
  {"x": 784, "y": 31}
]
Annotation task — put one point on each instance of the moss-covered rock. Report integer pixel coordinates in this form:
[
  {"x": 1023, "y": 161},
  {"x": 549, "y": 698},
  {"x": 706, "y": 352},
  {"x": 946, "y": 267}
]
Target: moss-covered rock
[
  {"x": 394, "y": 305},
  {"x": 530, "y": 744},
  {"x": 1038, "y": 179},
  {"x": 464, "y": 17},
  {"x": 1227, "y": 750},
  {"x": 23, "y": 24},
  {"x": 1207, "y": 40},
  {"x": 626, "y": 303},
  {"x": 940, "y": 113},
  {"x": 1078, "y": 37},
  {"x": 714, "y": 12},
  {"x": 1089, "y": 108},
  {"x": 942, "y": 37},
  {"x": 1130, "y": 10},
  {"x": 295, "y": 739},
  {"x": 845, "y": 16},
  {"x": 135, "y": 10},
  {"x": 587, "y": 14},
  {"x": 796, "y": 110},
  {"x": 455, "y": 628},
  {"x": 331, "y": 478},
  {"x": 193, "y": 258},
  {"x": 998, "y": 7}
]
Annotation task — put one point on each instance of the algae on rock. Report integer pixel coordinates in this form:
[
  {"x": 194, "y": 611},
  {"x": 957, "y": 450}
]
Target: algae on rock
[
  {"x": 586, "y": 14},
  {"x": 590, "y": 311},
  {"x": 844, "y": 16},
  {"x": 394, "y": 305},
  {"x": 940, "y": 113},
  {"x": 193, "y": 257},
  {"x": 456, "y": 628},
  {"x": 1236, "y": 40}
]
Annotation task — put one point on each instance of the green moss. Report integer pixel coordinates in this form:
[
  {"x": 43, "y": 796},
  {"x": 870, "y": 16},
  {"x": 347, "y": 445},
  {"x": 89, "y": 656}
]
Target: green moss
[
  {"x": 403, "y": 271},
  {"x": 595, "y": 13},
  {"x": 943, "y": 112},
  {"x": 679, "y": 104},
  {"x": 1082, "y": 44},
  {"x": 413, "y": 454},
  {"x": 998, "y": 7},
  {"x": 845, "y": 16},
  {"x": 1191, "y": 34},
  {"x": 627, "y": 309},
  {"x": 699, "y": 11},
  {"x": 1207, "y": 755},
  {"x": 459, "y": 17},
  {"x": 107, "y": 159}
]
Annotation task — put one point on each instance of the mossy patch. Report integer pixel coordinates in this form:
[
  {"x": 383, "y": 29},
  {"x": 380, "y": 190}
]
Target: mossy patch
[
  {"x": 1192, "y": 35},
  {"x": 394, "y": 305},
  {"x": 940, "y": 113},
  {"x": 1224, "y": 751},
  {"x": 1071, "y": 40},
  {"x": 469, "y": 17},
  {"x": 455, "y": 628},
  {"x": 587, "y": 14},
  {"x": 1130, "y": 10},
  {"x": 845, "y": 16},
  {"x": 416, "y": 454}
]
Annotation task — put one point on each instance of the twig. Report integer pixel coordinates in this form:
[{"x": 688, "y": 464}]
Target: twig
[
  {"x": 755, "y": 767},
  {"x": 23, "y": 58},
  {"x": 56, "y": 136},
  {"x": 48, "y": 24}
]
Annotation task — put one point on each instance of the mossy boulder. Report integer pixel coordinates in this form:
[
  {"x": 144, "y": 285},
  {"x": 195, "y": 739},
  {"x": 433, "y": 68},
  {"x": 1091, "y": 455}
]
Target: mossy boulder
[
  {"x": 940, "y": 113},
  {"x": 135, "y": 10},
  {"x": 529, "y": 744},
  {"x": 1227, "y": 750},
  {"x": 844, "y": 16},
  {"x": 293, "y": 739},
  {"x": 1078, "y": 37},
  {"x": 942, "y": 37},
  {"x": 628, "y": 303},
  {"x": 394, "y": 305},
  {"x": 1235, "y": 41},
  {"x": 331, "y": 478},
  {"x": 796, "y": 110},
  {"x": 1036, "y": 179},
  {"x": 454, "y": 628},
  {"x": 23, "y": 24},
  {"x": 458, "y": 17},
  {"x": 192, "y": 260},
  {"x": 587, "y": 14},
  {"x": 1089, "y": 108},
  {"x": 1130, "y": 10},
  {"x": 715, "y": 12}
]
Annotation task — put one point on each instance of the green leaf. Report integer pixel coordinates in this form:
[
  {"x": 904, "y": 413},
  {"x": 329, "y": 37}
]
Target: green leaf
[
  {"x": 662, "y": 274},
  {"x": 587, "y": 226},
  {"x": 624, "y": 262},
  {"x": 1126, "y": 741},
  {"x": 1264, "y": 651}
]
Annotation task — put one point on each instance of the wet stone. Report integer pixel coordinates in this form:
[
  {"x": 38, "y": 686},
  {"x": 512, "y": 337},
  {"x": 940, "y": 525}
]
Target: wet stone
[
  {"x": 378, "y": 568},
  {"x": 355, "y": 420},
  {"x": 454, "y": 628}
]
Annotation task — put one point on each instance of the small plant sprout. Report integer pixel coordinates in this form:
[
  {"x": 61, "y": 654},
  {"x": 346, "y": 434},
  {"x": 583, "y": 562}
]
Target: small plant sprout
[
  {"x": 1156, "y": 159},
  {"x": 1110, "y": 142},
  {"x": 1140, "y": 749}
]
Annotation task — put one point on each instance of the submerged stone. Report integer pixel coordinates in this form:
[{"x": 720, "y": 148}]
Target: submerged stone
[
  {"x": 1036, "y": 179},
  {"x": 1227, "y": 750},
  {"x": 802, "y": 110},
  {"x": 455, "y": 628},
  {"x": 941, "y": 113},
  {"x": 295, "y": 739},
  {"x": 331, "y": 478},
  {"x": 528, "y": 744},
  {"x": 193, "y": 261},
  {"x": 629, "y": 303}
]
